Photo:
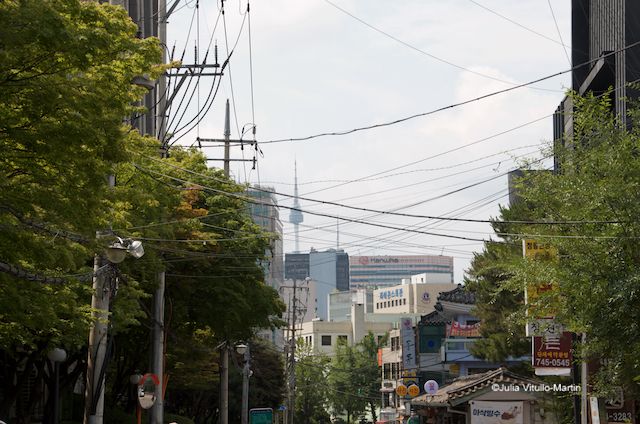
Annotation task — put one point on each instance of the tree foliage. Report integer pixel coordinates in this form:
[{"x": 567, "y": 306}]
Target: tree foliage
[
  {"x": 312, "y": 386},
  {"x": 65, "y": 75},
  {"x": 498, "y": 304},
  {"x": 354, "y": 378},
  {"x": 588, "y": 214}
]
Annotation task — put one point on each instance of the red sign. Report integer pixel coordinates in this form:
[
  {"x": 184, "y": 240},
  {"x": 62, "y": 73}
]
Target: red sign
[
  {"x": 553, "y": 350},
  {"x": 464, "y": 330}
]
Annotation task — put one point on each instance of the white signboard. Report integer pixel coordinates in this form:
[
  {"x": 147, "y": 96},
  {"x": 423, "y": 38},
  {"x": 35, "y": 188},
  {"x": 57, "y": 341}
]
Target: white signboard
[
  {"x": 496, "y": 412},
  {"x": 408, "y": 344}
]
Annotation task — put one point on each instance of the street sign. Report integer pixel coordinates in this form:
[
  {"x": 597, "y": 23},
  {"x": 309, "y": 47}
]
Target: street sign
[
  {"x": 401, "y": 390},
  {"x": 413, "y": 390},
  {"x": 552, "y": 354},
  {"x": 431, "y": 387},
  {"x": 261, "y": 416}
]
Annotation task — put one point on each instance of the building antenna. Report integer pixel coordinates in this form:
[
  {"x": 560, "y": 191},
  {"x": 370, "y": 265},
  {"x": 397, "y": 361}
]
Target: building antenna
[
  {"x": 337, "y": 233},
  {"x": 295, "y": 216}
]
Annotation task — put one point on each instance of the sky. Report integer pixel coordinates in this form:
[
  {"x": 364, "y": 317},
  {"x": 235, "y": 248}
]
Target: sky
[{"x": 306, "y": 67}]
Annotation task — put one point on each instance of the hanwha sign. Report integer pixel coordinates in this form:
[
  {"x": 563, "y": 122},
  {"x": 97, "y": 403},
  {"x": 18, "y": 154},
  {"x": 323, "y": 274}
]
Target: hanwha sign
[{"x": 363, "y": 260}]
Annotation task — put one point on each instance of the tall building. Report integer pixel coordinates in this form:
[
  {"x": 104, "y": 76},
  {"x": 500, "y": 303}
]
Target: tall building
[
  {"x": 266, "y": 214},
  {"x": 329, "y": 270},
  {"x": 599, "y": 27},
  {"x": 386, "y": 271}
]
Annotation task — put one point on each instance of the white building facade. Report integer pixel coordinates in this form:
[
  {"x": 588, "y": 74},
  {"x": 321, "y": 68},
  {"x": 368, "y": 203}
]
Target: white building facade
[{"x": 387, "y": 271}]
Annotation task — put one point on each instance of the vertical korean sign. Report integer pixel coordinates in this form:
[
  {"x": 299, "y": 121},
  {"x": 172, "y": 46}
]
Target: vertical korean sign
[
  {"x": 551, "y": 345},
  {"x": 408, "y": 344}
]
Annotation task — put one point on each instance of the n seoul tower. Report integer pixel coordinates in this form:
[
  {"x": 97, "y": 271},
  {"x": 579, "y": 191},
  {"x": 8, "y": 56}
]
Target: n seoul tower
[{"x": 295, "y": 216}]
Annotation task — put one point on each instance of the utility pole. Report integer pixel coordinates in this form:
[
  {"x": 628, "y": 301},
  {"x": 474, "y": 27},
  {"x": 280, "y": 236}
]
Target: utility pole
[
  {"x": 94, "y": 389},
  {"x": 157, "y": 362},
  {"x": 292, "y": 357},
  {"x": 246, "y": 374},
  {"x": 290, "y": 347},
  {"x": 227, "y": 138},
  {"x": 227, "y": 143}
]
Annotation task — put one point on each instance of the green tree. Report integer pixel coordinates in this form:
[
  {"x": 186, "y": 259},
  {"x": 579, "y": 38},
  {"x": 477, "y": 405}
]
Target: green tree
[
  {"x": 195, "y": 226},
  {"x": 587, "y": 213},
  {"x": 344, "y": 396},
  {"x": 312, "y": 386},
  {"x": 65, "y": 74},
  {"x": 369, "y": 376},
  {"x": 597, "y": 272},
  {"x": 498, "y": 304}
]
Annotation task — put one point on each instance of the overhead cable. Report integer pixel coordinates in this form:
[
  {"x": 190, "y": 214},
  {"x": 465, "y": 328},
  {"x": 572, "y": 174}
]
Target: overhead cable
[{"x": 454, "y": 105}]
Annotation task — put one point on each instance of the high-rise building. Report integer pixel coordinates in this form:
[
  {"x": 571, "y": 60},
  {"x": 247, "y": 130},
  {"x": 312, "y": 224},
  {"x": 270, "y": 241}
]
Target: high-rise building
[
  {"x": 386, "y": 271},
  {"x": 265, "y": 213},
  {"x": 600, "y": 27},
  {"x": 328, "y": 269}
]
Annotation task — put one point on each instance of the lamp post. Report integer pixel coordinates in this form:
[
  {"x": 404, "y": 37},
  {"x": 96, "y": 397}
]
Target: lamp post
[
  {"x": 105, "y": 285},
  {"x": 243, "y": 349},
  {"x": 56, "y": 356},
  {"x": 134, "y": 379}
]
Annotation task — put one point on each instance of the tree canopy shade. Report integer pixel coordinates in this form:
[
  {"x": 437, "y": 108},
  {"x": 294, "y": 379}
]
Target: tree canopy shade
[
  {"x": 65, "y": 72},
  {"x": 66, "y": 68}
]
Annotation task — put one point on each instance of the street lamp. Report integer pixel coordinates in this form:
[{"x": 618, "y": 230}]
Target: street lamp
[
  {"x": 117, "y": 251},
  {"x": 104, "y": 287},
  {"x": 56, "y": 356},
  {"x": 243, "y": 349},
  {"x": 135, "y": 379}
]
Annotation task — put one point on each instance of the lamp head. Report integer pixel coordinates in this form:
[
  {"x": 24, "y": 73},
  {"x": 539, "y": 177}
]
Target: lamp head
[
  {"x": 135, "y": 249},
  {"x": 57, "y": 355},
  {"x": 241, "y": 348},
  {"x": 116, "y": 252}
]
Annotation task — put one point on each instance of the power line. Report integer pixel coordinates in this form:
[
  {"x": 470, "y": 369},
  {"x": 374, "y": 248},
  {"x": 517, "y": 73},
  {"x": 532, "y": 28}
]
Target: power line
[
  {"x": 382, "y": 212},
  {"x": 451, "y": 106},
  {"x": 555, "y": 21},
  {"x": 520, "y": 25},
  {"x": 412, "y": 47}
]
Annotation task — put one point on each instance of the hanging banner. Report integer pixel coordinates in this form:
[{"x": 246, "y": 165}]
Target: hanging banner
[
  {"x": 539, "y": 319},
  {"x": 463, "y": 330},
  {"x": 408, "y": 344},
  {"x": 496, "y": 412}
]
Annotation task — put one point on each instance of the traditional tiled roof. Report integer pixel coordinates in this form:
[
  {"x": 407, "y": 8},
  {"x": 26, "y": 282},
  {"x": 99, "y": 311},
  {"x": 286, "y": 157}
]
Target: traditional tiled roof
[
  {"x": 462, "y": 387},
  {"x": 434, "y": 318},
  {"x": 458, "y": 295}
]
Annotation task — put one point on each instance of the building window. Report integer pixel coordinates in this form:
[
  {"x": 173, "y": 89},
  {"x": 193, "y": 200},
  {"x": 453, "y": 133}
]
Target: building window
[
  {"x": 326, "y": 341},
  {"x": 342, "y": 339},
  {"x": 431, "y": 337},
  {"x": 404, "y": 301}
]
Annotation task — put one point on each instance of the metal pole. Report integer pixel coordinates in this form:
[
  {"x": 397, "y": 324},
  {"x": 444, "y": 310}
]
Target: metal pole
[
  {"x": 56, "y": 392},
  {"x": 157, "y": 411},
  {"x": 585, "y": 405},
  {"x": 227, "y": 138},
  {"x": 94, "y": 407},
  {"x": 224, "y": 383},
  {"x": 292, "y": 358},
  {"x": 246, "y": 373}
]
